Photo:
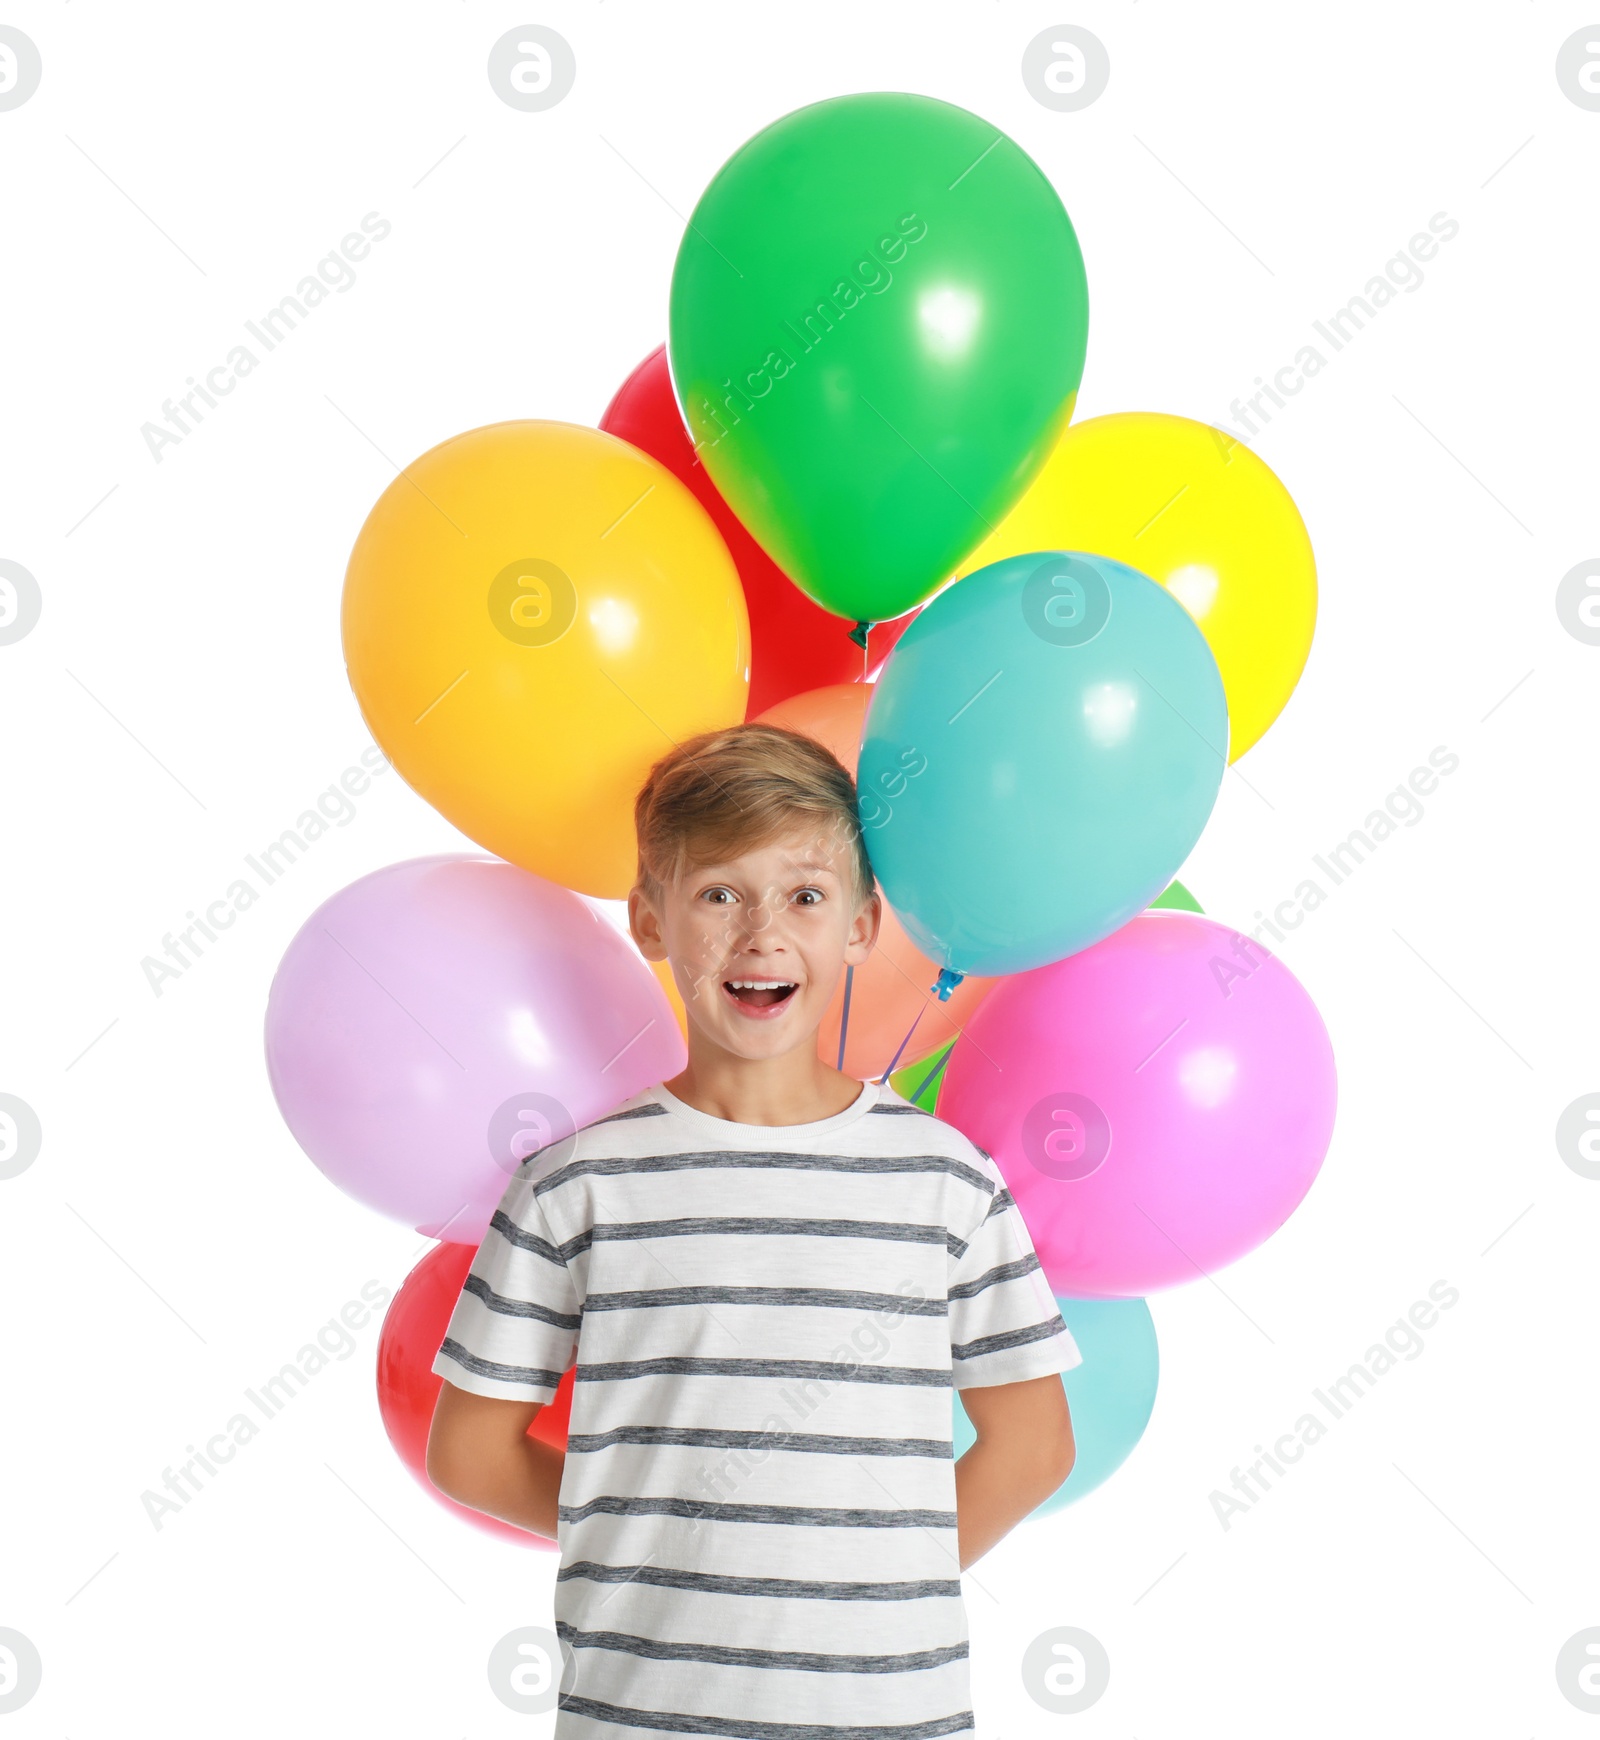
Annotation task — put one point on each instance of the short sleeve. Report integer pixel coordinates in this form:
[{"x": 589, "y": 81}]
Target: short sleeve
[
  {"x": 515, "y": 1325},
  {"x": 1005, "y": 1325}
]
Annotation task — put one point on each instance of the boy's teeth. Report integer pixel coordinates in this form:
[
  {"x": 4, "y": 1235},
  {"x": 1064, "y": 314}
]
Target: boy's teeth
[{"x": 761, "y": 984}]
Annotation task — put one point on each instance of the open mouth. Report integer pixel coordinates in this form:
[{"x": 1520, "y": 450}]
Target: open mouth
[{"x": 763, "y": 997}]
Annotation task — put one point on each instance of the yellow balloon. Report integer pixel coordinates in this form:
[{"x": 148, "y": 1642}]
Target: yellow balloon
[
  {"x": 1197, "y": 511},
  {"x": 533, "y": 613}
]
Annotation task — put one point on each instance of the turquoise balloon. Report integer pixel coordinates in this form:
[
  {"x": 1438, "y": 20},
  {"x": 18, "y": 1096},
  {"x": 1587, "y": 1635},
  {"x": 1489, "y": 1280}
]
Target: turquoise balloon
[
  {"x": 1040, "y": 755},
  {"x": 1111, "y": 1395}
]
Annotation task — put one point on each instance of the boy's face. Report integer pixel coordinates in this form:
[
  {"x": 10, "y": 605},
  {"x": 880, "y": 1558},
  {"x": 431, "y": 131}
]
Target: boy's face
[{"x": 757, "y": 944}]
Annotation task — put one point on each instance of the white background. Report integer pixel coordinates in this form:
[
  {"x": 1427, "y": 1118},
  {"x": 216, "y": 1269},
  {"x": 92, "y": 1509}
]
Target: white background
[{"x": 183, "y": 699}]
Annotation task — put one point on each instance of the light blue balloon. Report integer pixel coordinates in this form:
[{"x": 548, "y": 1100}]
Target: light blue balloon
[
  {"x": 1110, "y": 1396},
  {"x": 1041, "y": 753}
]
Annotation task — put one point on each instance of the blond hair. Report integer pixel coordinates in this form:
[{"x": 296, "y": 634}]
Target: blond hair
[{"x": 730, "y": 791}]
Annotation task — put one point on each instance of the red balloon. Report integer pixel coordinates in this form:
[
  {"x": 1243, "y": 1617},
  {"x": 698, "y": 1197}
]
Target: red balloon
[
  {"x": 407, "y": 1388},
  {"x": 794, "y": 644}
]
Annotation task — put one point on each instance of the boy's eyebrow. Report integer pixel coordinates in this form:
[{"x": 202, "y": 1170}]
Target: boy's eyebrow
[{"x": 795, "y": 865}]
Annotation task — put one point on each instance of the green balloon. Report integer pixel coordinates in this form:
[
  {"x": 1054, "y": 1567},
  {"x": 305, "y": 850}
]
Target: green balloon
[
  {"x": 878, "y": 321},
  {"x": 920, "y": 1082},
  {"x": 1176, "y": 898}
]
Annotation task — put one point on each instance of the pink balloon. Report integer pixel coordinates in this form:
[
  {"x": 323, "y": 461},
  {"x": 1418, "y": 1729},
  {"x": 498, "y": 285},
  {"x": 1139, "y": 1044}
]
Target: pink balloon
[
  {"x": 1158, "y": 1104},
  {"x": 435, "y": 1022}
]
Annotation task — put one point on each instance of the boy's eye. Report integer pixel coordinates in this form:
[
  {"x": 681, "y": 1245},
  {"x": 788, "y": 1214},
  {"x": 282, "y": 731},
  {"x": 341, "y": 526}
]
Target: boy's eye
[{"x": 725, "y": 896}]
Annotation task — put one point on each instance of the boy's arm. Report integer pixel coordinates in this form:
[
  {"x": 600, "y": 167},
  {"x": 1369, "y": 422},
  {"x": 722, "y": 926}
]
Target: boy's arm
[
  {"x": 1009, "y": 1346},
  {"x": 1024, "y": 1451},
  {"x": 480, "y": 1454},
  {"x": 511, "y": 1337}
]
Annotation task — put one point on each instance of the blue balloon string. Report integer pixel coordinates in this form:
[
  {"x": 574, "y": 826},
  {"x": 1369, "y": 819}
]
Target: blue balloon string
[
  {"x": 903, "y": 1044},
  {"x": 844, "y": 1018},
  {"x": 933, "y": 1075}
]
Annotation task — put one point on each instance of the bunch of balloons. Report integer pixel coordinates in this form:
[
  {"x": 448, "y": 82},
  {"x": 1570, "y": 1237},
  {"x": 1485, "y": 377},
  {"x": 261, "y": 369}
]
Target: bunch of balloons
[{"x": 846, "y": 496}]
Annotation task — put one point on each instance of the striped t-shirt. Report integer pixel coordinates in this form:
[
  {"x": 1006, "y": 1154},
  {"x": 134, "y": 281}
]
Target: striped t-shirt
[{"x": 757, "y": 1517}]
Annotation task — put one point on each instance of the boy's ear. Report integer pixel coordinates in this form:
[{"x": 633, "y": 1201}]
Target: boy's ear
[
  {"x": 863, "y": 937},
  {"x": 644, "y": 923}
]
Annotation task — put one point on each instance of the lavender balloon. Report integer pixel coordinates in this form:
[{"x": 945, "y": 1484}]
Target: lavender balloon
[{"x": 433, "y": 1024}]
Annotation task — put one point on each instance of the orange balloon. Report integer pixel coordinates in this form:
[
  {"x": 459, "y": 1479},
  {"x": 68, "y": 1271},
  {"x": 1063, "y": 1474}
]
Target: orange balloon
[
  {"x": 890, "y": 994},
  {"x": 663, "y": 971},
  {"x": 833, "y": 716}
]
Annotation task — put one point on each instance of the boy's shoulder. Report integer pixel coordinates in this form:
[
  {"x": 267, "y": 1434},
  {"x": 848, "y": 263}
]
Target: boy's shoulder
[
  {"x": 889, "y": 1102},
  {"x": 637, "y": 1109},
  {"x": 927, "y": 1129},
  {"x": 619, "y": 1130}
]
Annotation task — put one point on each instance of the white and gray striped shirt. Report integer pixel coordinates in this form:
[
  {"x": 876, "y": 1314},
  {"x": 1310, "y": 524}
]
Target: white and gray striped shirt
[{"x": 757, "y": 1520}]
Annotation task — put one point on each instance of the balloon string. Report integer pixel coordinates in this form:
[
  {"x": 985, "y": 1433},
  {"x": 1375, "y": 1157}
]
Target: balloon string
[
  {"x": 932, "y": 1075},
  {"x": 903, "y": 1044},
  {"x": 844, "y": 1018}
]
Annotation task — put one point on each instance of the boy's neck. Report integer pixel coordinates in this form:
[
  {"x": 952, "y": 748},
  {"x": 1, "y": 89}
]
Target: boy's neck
[{"x": 794, "y": 1088}]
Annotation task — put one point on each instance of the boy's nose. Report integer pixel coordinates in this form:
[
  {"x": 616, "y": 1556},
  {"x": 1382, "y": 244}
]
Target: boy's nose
[{"x": 762, "y": 945}]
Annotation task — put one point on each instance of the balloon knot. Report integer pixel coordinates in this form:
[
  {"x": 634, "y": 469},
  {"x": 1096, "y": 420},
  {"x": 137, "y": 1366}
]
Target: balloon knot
[
  {"x": 859, "y": 634},
  {"x": 947, "y": 981}
]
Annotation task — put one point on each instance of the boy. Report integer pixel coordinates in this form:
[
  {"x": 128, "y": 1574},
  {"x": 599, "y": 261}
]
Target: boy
[{"x": 771, "y": 1275}]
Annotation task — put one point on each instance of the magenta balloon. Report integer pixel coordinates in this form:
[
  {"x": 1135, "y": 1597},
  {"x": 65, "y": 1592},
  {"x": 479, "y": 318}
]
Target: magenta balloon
[
  {"x": 1158, "y": 1104},
  {"x": 433, "y": 1023}
]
